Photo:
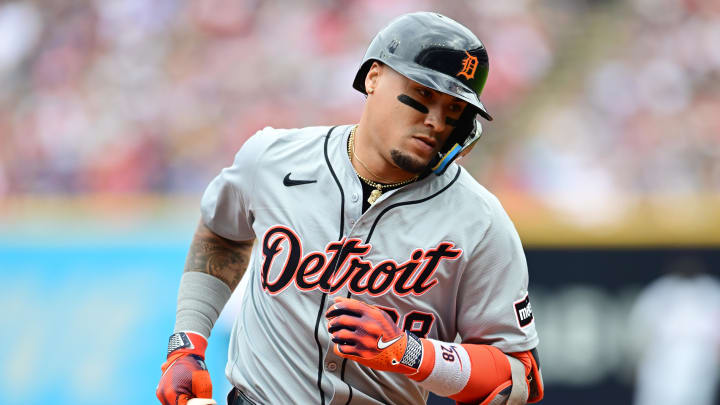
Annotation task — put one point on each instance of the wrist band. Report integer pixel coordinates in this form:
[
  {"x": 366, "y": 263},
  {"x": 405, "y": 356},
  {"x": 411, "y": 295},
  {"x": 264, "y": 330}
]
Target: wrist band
[{"x": 451, "y": 370}]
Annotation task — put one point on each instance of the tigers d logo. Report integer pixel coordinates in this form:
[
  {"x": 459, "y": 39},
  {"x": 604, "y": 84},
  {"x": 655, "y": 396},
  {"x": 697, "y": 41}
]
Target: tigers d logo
[{"x": 469, "y": 65}]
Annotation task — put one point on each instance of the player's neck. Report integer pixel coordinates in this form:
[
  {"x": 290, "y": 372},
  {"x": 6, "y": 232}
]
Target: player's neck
[{"x": 371, "y": 164}]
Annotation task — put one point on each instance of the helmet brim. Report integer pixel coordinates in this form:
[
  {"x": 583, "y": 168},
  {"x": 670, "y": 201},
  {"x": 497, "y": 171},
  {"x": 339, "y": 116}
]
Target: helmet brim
[{"x": 435, "y": 80}]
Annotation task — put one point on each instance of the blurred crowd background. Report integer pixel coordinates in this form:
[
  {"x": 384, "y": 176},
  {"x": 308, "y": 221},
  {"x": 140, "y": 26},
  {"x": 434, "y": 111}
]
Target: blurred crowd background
[
  {"x": 114, "y": 115},
  {"x": 601, "y": 98}
]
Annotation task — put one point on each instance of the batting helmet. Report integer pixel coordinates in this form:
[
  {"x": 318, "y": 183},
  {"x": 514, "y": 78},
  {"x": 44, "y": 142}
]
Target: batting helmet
[{"x": 441, "y": 54}]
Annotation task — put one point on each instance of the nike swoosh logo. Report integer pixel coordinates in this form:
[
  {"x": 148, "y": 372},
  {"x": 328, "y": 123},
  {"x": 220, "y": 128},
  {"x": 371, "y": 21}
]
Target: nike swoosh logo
[
  {"x": 384, "y": 345},
  {"x": 288, "y": 182}
]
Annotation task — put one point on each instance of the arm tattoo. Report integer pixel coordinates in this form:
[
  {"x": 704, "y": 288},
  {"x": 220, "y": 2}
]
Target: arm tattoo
[{"x": 223, "y": 258}]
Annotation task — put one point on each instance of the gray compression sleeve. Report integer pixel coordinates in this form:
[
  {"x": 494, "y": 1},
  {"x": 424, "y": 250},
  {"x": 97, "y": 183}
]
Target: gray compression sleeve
[{"x": 200, "y": 299}]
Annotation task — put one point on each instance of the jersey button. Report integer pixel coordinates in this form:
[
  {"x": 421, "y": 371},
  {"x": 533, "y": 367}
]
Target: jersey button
[
  {"x": 332, "y": 366},
  {"x": 352, "y": 222},
  {"x": 355, "y": 197}
]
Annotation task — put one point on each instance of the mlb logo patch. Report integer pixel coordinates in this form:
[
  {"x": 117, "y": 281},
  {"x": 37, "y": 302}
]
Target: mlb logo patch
[{"x": 523, "y": 311}]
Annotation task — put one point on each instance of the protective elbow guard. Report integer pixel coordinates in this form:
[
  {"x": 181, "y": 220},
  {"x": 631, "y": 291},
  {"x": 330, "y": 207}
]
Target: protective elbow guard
[
  {"x": 473, "y": 373},
  {"x": 499, "y": 395},
  {"x": 533, "y": 375}
]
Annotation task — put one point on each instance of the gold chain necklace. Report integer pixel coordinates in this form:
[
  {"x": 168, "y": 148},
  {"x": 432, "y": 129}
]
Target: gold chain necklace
[{"x": 375, "y": 194}]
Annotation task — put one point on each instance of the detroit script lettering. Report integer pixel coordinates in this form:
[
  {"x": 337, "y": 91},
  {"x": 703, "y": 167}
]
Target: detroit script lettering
[{"x": 342, "y": 264}]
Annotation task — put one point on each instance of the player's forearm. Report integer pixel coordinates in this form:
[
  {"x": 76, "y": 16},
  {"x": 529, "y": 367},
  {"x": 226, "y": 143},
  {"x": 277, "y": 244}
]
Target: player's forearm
[
  {"x": 467, "y": 372},
  {"x": 222, "y": 258},
  {"x": 213, "y": 269},
  {"x": 475, "y": 373}
]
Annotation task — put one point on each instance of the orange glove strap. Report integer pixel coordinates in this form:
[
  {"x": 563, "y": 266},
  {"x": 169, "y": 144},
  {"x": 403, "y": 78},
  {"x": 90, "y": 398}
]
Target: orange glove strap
[{"x": 187, "y": 342}]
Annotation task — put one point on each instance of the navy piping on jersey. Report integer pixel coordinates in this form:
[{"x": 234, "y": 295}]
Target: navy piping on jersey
[
  {"x": 324, "y": 294},
  {"x": 342, "y": 193},
  {"x": 367, "y": 241}
]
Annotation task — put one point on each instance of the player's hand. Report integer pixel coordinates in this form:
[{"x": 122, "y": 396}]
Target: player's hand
[
  {"x": 184, "y": 374},
  {"x": 368, "y": 335}
]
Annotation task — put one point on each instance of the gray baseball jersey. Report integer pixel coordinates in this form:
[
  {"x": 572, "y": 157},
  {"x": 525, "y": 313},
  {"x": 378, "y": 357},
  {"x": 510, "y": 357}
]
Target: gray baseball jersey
[{"x": 440, "y": 255}]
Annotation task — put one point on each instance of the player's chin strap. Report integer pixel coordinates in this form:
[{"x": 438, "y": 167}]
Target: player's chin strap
[{"x": 463, "y": 137}]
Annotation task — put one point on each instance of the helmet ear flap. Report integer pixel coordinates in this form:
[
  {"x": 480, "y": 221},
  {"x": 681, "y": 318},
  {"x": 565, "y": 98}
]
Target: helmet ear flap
[
  {"x": 474, "y": 136},
  {"x": 465, "y": 128},
  {"x": 359, "y": 82},
  {"x": 467, "y": 131}
]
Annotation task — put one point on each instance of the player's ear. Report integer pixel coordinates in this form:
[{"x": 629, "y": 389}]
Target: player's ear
[{"x": 372, "y": 77}]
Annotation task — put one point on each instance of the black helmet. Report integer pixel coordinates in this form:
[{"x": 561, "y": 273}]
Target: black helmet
[
  {"x": 433, "y": 50},
  {"x": 439, "y": 53}
]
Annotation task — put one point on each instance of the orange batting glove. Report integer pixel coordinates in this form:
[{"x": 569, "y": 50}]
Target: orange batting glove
[
  {"x": 367, "y": 335},
  {"x": 184, "y": 375}
]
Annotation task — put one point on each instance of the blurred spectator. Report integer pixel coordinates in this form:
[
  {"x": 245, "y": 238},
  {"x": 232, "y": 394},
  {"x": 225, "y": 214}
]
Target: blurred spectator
[
  {"x": 140, "y": 97},
  {"x": 677, "y": 337}
]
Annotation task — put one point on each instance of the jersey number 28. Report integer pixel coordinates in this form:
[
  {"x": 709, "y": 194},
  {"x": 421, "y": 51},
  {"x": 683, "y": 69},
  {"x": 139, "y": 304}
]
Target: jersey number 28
[{"x": 417, "y": 322}]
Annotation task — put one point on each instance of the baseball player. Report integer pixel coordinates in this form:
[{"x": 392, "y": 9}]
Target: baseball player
[{"x": 379, "y": 269}]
